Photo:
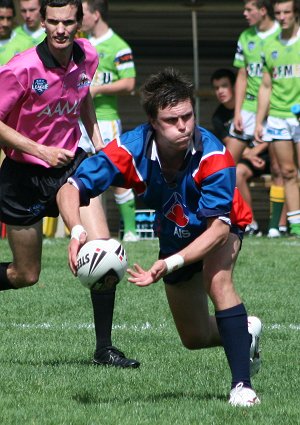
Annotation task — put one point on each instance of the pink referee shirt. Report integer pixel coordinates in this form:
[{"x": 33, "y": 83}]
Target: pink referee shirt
[{"x": 41, "y": 100}]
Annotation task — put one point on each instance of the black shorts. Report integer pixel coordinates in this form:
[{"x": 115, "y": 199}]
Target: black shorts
[
  {"x": 187, "y": 272},
  {"x": 28, "y": 191}
]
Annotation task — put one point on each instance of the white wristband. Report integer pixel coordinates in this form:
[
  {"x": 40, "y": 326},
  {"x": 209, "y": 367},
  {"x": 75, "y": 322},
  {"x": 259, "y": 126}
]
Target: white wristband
[
  {"x": 76, "y": 231},
  {"x": 174, "y": 262}
]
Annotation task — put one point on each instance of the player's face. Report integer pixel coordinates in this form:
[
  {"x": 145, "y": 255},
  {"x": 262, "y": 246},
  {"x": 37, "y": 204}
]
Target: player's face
[
  {"x": 252, "y": 14},
  {"x": 61, "y": 26},
  {"x": 30, "y": 12},
  {"x": 174, "y": 126},
  {"x": 285, "y": 15},
  {"x": 223, "y": 90},
  {"x": 89, "y": 19},
  {"x": 6, "y": 22}
]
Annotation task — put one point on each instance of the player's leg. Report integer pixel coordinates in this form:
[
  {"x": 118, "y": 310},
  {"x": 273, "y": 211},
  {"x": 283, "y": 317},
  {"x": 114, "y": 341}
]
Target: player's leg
[
  {"x": 284, "y": 151},
  {"x": 230, "y": 312},
  {"x": 94, "y": 221},
  {"x": 243, "y": 175},
  {"x": 126, "y": 203},
  {"x": 236, "y": 147},
  {"x": 124, "y": 198},
  {"x": 189, "y": 306},
  {"x": 26, "y": 247},
  {"x": 244, "y": 172},
  {"x": 277, "y": 212}
]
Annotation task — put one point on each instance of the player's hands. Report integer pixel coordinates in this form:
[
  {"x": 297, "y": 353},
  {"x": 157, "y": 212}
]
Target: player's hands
[
  {"x": 258, "y": 133},
  {"x": 74, "y": 247},
  {"x": 56, "y": 157},
  {"x": 238, "y": 123},
  {"x": 257, "y": 162},
  {"x": 141, "y": 277}
]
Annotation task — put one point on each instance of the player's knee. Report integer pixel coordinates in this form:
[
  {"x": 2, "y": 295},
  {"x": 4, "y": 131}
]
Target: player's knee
[
  {"x": 26, "y": 279},
  {"x": 289, "y": 173},
  {"x": 195, "y": 342}
]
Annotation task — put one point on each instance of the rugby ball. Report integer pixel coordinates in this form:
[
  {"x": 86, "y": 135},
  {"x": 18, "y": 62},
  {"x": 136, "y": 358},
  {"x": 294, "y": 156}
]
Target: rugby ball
[{"x": 101, "y": 264}]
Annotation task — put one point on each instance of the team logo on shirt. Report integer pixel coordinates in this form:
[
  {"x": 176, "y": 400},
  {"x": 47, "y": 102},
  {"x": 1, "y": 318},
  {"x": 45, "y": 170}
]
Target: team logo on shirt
[
  {"x": 274, "y": 54},
  {"x": 40, "y": 85},
  {"x": 251, "y": 45},
  {"x": 175, "y": 210},
  {"x": 84, "y": 81}
]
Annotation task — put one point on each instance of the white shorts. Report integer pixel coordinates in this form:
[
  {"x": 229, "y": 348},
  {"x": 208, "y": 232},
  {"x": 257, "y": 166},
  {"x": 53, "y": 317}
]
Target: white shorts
[
  {"x": 109, "y": 130},
  {"x": 249, "y": 121},
  {"x": 283, "y": 129}
]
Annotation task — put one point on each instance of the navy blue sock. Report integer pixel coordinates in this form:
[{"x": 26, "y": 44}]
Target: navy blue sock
[
  {"x": 103, "y": 306},
  {"x": 233, "y": 328},
  {"x": 4, "y": 281}
]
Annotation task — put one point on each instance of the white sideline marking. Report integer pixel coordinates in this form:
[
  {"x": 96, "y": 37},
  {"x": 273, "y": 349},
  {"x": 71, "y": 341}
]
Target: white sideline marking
[{"x": 136, "y": 328}]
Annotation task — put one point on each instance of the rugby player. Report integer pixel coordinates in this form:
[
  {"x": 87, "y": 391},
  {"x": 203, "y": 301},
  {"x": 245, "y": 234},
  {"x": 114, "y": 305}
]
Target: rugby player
[
  {"x": 279, "y": 91},
  {"x": 11, "y": 43},
  {"x": 262, "y": 30},
  {"x": 115, "y": 76},
  {"x": 187, "y": 175}
]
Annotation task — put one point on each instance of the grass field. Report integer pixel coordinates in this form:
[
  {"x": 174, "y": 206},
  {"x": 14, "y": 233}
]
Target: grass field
[{"x": 47, "y": 341}]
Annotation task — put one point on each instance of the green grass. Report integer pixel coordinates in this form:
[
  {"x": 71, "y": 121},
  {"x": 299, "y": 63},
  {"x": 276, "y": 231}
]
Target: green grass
[{"x": 47, "y": 341}]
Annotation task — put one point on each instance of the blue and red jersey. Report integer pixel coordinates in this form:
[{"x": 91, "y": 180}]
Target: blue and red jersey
[{"x": 204, "y": 186}]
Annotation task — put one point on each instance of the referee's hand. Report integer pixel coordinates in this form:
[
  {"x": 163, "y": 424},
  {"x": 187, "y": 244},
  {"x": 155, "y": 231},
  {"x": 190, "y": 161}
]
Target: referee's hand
[{"x": 56, "y": 157}]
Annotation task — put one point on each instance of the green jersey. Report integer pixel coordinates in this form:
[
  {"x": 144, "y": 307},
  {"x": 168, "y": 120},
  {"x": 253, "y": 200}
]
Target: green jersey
[
  {"x": 282, "y": 62},
  {"x": 248, "y": 55},
  {"x": 36, "y": 37},
  {"x": 115, "y": 63},
  {"x": 13, "y": 45}
]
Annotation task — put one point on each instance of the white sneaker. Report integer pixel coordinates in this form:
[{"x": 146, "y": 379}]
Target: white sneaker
[
  {"x": 244, "y": 397},
  {"x": 130, "y": 237},
  {"x": 254, "y": 329},
  {"x": 274, "y": 233}
]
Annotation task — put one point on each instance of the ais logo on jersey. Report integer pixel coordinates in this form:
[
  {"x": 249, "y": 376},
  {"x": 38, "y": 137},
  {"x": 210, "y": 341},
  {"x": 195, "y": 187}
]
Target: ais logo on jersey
[
  {"x": 40, "y": 85},
  {"x": 176, "y": 211}
]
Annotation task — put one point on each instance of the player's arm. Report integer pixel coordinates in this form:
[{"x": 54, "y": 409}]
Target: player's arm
[
  {"x": 264, "y": 95},
  {"x": 216, "y": 235},
  {"x": 120, "y": 87},
  {"x": 89, "y": 120},
  {"x": 240, "y": 93},
  {"x": 68, "y": 201},
  {"x": 55, "y": 157}
]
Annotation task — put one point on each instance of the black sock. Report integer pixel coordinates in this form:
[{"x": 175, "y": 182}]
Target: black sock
[
  {"x": 103, "y": 306},
  {"x": 233, "y": 327},
  {"x": 4, "y": 281}
]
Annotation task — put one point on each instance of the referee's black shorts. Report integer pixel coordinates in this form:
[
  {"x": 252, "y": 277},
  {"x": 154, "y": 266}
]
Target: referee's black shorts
[{"x": 28, "y": 191}]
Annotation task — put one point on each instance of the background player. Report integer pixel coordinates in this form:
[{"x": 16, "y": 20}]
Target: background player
[
  {"x": 31, "y": 28},
  {"x": 262, "y": 30},
  {"x": 11, "y": 42},
  {"x": 279, "y": 91},
  {"x": 193, "y": 222},
  {"x": 115, "y": 76},
  {"x": 255, "y": 160},
  {"x": 36, "y": 107}
]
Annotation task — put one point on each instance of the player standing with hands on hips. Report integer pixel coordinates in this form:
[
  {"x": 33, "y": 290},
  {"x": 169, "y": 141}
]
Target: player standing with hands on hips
[
  {"x": 44, "y": 92},
  {"x": 200, "y": 218}
]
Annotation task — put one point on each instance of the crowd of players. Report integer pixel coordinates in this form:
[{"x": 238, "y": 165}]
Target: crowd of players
[
  {"x": 200, "y": 213},
  {"x": 255, "y": 118}
]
